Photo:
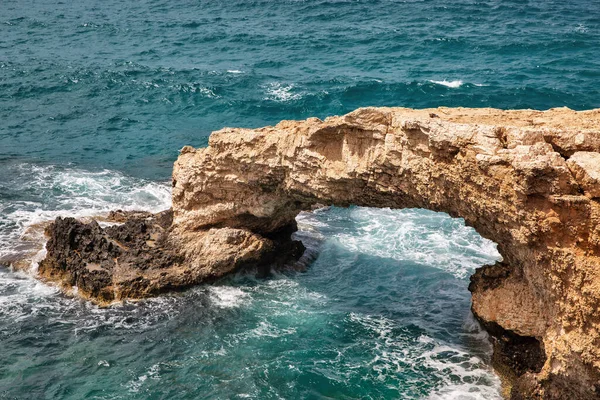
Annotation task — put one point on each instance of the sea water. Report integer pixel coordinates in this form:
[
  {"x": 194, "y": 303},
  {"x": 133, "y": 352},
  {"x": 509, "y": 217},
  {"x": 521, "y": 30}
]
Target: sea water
[{"x": 96, "y": 98}]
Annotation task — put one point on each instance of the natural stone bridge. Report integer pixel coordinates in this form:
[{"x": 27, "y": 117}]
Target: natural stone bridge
[{"x": 528, "y": 180}]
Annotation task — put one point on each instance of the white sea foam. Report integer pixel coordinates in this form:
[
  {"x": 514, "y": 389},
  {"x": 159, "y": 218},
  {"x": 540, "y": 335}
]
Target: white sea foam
[
  {"x": 451, "y": 84},
  {"x": 467, "y": 391},
  {"x": 306, "y": 221},
  {"x": 281, "y": 92},
  {"x": 23, "y": 297},
  {"x": 86, "y": 317},
  {"x": 207, "y": 92},
  {"x": 66, "y": 192},
  {"x": 74, "y": 192},
  {"x": 404, "y": 234},
  {"x": 463, "y": 376},
  {"x": 135, "y": 385},
  {"x": 234, "y": 71},
  {"x": 420, "y": 236},
  {"x": 456, "y": 83},
  {"x": 284, "y": 288},
  {"x": 266, "y": 329},
  {"x": 228, "y": 296},
  {"x": 195, "y": 87}
]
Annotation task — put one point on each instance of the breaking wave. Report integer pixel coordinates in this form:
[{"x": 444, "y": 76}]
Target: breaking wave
[{"x": 47, "y": 192}]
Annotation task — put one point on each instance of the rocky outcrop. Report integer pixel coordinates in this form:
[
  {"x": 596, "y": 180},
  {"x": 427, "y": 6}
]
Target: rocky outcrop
[
  {"x": 527, "y": 180},
  {"x": 138, "y": 256}
]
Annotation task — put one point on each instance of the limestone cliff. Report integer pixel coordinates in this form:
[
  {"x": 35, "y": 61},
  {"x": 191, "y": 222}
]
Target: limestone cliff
[{"x": 528, "y": 180}]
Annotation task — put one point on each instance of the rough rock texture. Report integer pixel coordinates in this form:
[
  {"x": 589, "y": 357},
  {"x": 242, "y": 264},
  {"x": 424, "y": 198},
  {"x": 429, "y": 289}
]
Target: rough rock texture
[
  {"x": 141, "y": 258},
  {"x": 585, "y": 167},
  {"x": 527, "y": 180}
]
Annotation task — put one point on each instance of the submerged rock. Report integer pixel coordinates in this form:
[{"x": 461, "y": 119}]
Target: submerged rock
[{"x": 524, "y": 179}]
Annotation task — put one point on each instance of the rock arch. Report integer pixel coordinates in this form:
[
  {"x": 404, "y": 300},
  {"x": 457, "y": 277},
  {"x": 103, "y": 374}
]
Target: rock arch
[
  {"x": 528, "y": 180},
  {"x": 524, "y": 179}
]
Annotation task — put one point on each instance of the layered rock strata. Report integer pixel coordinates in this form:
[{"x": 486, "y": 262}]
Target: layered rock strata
[{"x": 528, "y": 180}]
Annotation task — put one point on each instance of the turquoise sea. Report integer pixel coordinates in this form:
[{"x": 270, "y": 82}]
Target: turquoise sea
[{"x": 96, "y": 99}]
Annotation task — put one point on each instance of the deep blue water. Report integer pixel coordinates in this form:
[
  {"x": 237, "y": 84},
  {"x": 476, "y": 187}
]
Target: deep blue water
[
  {"x": 125, "y": 84},
  {"x": 96, "y": 98}
]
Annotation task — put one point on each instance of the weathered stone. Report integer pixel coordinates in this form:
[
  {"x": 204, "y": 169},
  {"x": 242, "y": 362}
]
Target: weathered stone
[
  {"x": 585, "y": 167},
  {"x": 140, "y": 258}
]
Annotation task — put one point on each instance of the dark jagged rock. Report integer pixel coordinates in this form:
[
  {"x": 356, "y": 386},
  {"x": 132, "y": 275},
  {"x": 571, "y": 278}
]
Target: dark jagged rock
[
  {"x": 489, "y": 277},
  {"x": 88, "y": 256},
  {"x": 137, "y": 258}
]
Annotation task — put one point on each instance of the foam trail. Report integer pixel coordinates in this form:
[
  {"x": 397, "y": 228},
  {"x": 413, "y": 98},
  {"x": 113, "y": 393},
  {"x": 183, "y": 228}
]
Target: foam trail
[
  {"x": 228, "y": 296},
  {"x": 464, "y": 376},
  {"x": 433, "y": 240},
  {"x": 451, "y": 84},
  {"x": 281, "y": 92}
]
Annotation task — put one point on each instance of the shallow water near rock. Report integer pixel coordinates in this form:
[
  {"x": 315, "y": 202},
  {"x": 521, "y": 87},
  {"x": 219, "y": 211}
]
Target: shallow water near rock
[
  {"x": 368, "y": 319},
  {"x": 96, "y": 99}
]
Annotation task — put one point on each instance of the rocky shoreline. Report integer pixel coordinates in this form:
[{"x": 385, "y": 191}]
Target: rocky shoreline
[{"x": 528, "y": 180}]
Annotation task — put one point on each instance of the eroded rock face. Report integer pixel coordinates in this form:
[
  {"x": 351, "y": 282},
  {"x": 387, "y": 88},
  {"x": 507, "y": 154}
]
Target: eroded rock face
[{"x": 524, "y": 179}]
